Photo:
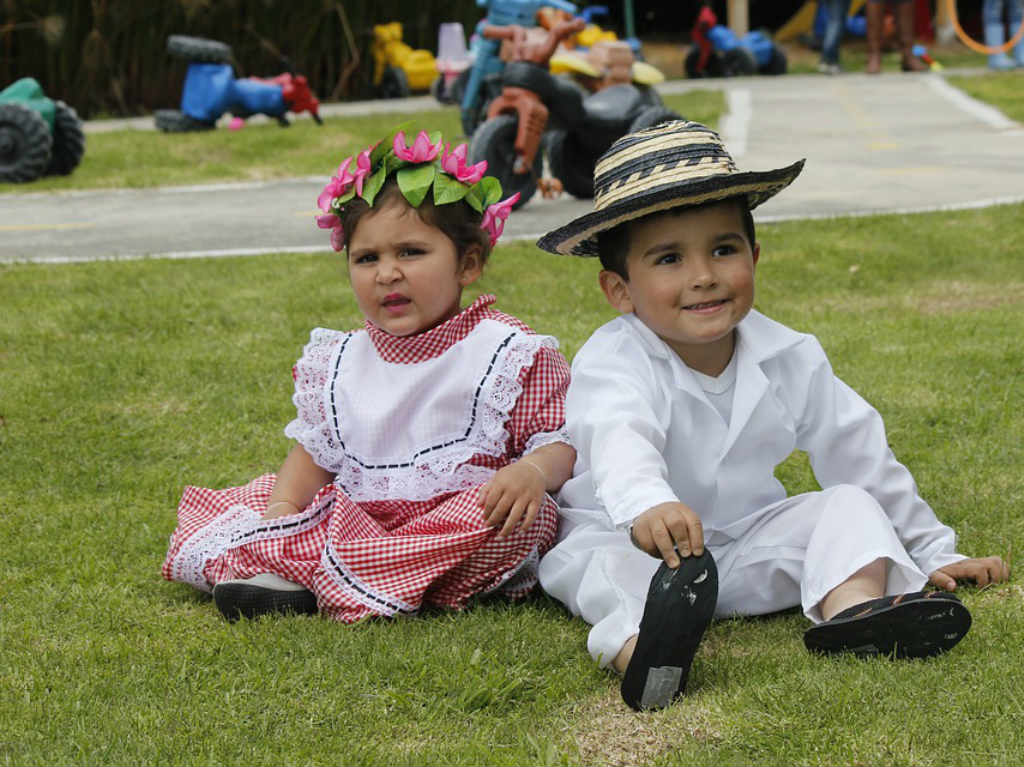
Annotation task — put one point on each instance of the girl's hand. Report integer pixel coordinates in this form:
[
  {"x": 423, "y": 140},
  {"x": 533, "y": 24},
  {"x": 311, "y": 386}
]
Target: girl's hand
[
  {"x": 515, "y": 493},
  {"x": 982, "y": 571}
]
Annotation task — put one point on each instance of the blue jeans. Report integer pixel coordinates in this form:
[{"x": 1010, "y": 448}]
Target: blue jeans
[
  {"x": 835, "y": 22},
  {"x": 992, "y": 13}
]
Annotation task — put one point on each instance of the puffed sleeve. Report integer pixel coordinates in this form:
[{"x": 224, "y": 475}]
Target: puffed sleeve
[
  {"x": 538, "y": 417},
  {"x": 618, "y": 419},
  {"x": 844, "y": 437},
  {"x": 311, "y": 427}
]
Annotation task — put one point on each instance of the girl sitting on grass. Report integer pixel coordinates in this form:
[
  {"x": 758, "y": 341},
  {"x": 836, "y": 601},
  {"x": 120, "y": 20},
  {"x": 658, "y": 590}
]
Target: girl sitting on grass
[{"x": 427, "y": 440}]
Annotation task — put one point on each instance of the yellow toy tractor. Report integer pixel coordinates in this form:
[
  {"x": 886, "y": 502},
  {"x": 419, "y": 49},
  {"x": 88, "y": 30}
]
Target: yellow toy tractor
[{"x": 397, "y": 68}]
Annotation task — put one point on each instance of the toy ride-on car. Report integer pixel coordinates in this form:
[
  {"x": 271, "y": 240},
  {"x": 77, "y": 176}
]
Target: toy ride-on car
[
  {"x": 717, "y": 51},
  {"x": 398, "y": 69},
  {"x": 211, "y": 89},
  {"x": 38, "y": 136}
]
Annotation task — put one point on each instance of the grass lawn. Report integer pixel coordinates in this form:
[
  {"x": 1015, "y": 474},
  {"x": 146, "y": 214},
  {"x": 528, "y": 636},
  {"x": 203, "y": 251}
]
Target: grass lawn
[{"x": 123, "y": 381}]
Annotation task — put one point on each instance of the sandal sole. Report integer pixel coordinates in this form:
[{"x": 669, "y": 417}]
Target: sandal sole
[{"x": 243, "y": 600}]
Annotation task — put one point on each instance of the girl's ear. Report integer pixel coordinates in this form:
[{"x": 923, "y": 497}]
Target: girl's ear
[
  {"x": 471, "y": 266},
  {"x": 616, "y": 291}
]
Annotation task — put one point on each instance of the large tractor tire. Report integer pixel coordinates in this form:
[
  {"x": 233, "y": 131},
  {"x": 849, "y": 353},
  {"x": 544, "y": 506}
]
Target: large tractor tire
[
  {"x": 738, "y": 62},
  {"x": 25, "y": 143},
  {"x": 394, "y": 84},
  {"x": 199, "y": 49},
  {"x": 174, "y": 121},
  {"x": 571, "y": 164},
  {"x": 494, "y": 141},
  {"x": 68, "y": 141}
]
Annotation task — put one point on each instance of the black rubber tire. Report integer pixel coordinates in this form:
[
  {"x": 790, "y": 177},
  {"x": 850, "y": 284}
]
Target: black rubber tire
[
  {"x": 394, "y": 84},
  {"x": 653, "y": 116},
  {"x": 571, "y": 164},
  {"x": 777, "y": 64},
  {"x": 199, "y": 49},
  {"x": 68, "y": 141},
  {"x": 713, "y": 67},
  {"x": 25, "y": 143},
  {"x": 738, "y": 62},
  {"x": 494, "y": 141},
  {"x": 174, "y": 121}
]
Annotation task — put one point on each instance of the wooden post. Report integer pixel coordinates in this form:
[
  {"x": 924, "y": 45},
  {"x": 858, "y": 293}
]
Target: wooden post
[
  {"x": 944, "y": 32},
  {"x": 739, "y": 18}
]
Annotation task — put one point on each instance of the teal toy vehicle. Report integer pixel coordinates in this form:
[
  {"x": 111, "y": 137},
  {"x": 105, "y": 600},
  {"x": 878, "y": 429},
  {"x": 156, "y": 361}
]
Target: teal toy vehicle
[{"x": 38, "y": 136}]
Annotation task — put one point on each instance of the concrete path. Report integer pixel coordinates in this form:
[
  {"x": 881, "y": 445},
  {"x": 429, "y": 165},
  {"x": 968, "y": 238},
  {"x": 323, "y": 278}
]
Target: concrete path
[{"x": 886, "y": 143}]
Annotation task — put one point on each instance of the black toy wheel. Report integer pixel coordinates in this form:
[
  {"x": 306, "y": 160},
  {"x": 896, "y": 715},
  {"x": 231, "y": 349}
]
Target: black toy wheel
[
  {"x": 571, "y": 164},
  {"x": 738, "y": 62},
  {"x": 653, "y": 116},
  {"x": 173, "y": 121},
  {"x": 712, "y": 67},
  {"x": 777, "y": 64},
  {"x": 68, "y": 141},
  {"x": 199, "y": 49},
  {"x": 494, "y": 141},
  {"x": 393, "y": 84},
  {"x": 25, "y": 143}
]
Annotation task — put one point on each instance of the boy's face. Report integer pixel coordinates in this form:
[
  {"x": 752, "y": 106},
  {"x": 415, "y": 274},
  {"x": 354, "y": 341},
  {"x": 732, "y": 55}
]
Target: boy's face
[{"x": 691, "y": 281}]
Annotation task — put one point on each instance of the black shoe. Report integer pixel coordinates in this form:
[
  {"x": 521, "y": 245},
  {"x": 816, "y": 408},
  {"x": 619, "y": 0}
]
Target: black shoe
[
  {"x": 680, "y": 605},
  {"x": 261, "y": 595},
  {"x": 916, "y": 625}
]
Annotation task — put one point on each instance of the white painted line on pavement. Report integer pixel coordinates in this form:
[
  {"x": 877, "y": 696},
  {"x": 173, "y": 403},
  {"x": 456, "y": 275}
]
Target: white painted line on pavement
[
  {"x": 978, "y": 109},
  {"x": 973, "y": 205},
  {"x": 736, "y": 121}
]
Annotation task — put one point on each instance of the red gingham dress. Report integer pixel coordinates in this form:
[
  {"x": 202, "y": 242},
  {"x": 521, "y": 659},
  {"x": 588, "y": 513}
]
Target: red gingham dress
[{"x": 396, "y": 530}]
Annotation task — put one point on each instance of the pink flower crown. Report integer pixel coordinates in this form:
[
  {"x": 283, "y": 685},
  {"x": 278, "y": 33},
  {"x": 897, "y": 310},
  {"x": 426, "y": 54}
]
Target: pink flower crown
[{"x": 417, "y": 170}]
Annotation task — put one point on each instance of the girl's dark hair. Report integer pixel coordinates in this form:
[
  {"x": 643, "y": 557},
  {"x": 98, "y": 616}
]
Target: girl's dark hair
[
  {"x": 459, "y": 222},
  {"x": 613, "y": 244}
]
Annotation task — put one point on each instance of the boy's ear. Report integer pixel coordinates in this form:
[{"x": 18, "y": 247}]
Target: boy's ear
[
  {"x": 756, "y": 250},
  {"x": 616, "y": 290},
  {"x": 471, "y": 265}
]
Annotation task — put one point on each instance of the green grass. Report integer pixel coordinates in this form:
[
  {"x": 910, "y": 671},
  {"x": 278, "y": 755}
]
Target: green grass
[
  {"x": 1004, "y": 90},
  {"x": 122, "y": 381},
  {"x": 137, "y": 159}
]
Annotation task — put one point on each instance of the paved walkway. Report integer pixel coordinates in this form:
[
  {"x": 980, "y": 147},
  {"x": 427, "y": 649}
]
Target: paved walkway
[{"x": 892, "y": 142}]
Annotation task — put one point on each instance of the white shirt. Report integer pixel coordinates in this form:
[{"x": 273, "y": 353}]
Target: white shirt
[{"x": 646, "y": 433}]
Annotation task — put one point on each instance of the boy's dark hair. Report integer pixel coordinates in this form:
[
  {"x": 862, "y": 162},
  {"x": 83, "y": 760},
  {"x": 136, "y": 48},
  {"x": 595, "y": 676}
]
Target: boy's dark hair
[
  {"x": 613, "y": 244},
  {"x": 459, "y": 222}
]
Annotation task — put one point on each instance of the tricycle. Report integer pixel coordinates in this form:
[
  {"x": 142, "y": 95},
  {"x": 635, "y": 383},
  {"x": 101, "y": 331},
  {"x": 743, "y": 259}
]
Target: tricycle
[{"x": 39, "y": 136}]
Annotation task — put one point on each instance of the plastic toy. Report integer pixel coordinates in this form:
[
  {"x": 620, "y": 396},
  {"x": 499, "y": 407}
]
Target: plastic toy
[
  {"x": 484, "y": 81},
  {"x": 922, "y": 53},
  {"x": 718, "y": 52},
  {"x": 580, "y": 126},
  {"x": 38, "y": 136},
  {"x": 397, "y": 68},
  {"x": 211, "y": 89},
  {"x": 453, "y": 62}
]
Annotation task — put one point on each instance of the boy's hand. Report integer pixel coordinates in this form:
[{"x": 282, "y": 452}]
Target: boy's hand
[
  {"x": 668, "y": 525},
  {"x": 982, "y": 571},
  {"x": 515, "y": 492}
]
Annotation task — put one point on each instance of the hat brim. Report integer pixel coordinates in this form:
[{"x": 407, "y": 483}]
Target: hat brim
[{"x": 579, "y": 236}]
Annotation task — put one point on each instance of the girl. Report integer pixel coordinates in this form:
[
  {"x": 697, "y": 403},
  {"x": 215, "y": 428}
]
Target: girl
[{"x": 426, "y": 441}]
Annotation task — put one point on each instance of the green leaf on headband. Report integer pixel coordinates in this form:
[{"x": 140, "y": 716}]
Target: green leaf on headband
[
  {"x": 490, "y": 190},
  {"x": 373, "y": 184},
  {"x": 415, "y": 182},
  {"x": 387, "y": 144},
  {"x": 448, "y": 189},
  {"x": 474, "y": 200},
  {"x": 339, "y": 201},
  {"x": 393, "y": 162}
]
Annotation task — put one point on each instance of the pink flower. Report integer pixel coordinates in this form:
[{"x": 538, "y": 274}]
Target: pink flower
[
  {"x": 362, "y": 170},
  {"x": 454, "y": 163},
  {"x": 421, "y": 151},
  {"x": 496, "y": 215},
  {"x": 332, "y": 222},
  {"x": 336, "y": 187}
]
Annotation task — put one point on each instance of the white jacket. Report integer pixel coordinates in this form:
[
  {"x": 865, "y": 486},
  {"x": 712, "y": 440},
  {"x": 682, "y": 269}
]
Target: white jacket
[{"x": 646, "y": 434}]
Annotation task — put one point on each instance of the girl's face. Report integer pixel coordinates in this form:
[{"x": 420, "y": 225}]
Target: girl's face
[{"x": 406, "y": 275}]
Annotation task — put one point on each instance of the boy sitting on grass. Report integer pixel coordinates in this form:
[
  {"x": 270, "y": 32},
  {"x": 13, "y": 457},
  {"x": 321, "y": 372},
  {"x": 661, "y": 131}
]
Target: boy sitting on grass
[{"x": 680, "y": 410}]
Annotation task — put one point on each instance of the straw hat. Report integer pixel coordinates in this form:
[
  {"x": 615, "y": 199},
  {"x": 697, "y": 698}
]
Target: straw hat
[{"x": 668, "y": 166}]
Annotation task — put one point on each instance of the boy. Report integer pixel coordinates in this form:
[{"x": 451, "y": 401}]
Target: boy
[{"x": 680, "y": 410}]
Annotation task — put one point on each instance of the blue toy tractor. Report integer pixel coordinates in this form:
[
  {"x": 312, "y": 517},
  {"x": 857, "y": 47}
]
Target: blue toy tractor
[
  {"x": 717, "y": 51},
  {"x": 211, "y": 89},
  {"x": 38, "y": 136}
]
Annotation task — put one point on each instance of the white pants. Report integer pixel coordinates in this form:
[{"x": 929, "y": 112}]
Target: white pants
[{"x": 796, "y": 552}]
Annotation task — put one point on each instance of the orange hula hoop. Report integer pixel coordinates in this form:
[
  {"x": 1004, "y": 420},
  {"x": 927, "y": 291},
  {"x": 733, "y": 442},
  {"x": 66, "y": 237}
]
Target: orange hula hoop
[{"x": 973, "y": 44}]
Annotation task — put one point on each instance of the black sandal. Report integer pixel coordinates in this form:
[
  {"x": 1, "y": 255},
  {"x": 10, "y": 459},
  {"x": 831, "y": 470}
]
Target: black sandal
[
  {"x": 916, "y": 625},
  {"x": 680, "y": 605}
]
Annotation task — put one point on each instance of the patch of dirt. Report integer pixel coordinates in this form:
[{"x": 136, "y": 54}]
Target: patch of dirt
[{"x": 609, "y": 732}]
